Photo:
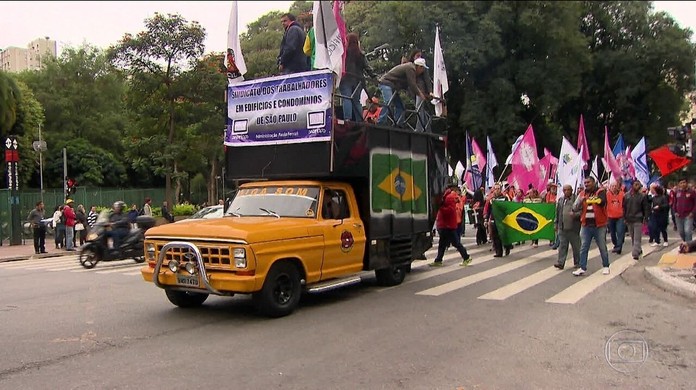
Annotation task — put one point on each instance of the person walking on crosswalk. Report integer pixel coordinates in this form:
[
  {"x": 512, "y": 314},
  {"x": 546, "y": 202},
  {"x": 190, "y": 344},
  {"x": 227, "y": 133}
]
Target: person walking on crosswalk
[
  {"x": 592, "y": 205},
  {"x": 489, "y": 220},
  {"x": 447, "y": 227},
  {"x": 636, "y": 212},
  {"x": 567, "y": 227}
]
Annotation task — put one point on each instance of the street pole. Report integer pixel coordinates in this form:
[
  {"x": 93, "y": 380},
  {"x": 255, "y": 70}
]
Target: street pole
[
  {"x": 41, "y": 165},
  {"x": 224, "y": 198},
  {"x": 65, "y": 171}
]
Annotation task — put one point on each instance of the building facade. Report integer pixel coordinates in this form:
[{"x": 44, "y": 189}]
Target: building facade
[{"x": 17, "y": 59}]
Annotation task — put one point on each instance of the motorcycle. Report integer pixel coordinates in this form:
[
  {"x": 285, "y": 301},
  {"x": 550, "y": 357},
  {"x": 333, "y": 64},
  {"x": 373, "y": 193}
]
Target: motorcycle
[{"x": 97, "y": 248}]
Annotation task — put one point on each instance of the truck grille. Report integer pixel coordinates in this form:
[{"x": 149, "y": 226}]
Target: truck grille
[{"x": 213, "y": 255}]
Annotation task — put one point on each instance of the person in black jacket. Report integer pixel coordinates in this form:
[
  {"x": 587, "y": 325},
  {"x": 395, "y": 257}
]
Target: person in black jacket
[
  {"x": 291, "y": 58},
  {"x": 659, "y": 217}
]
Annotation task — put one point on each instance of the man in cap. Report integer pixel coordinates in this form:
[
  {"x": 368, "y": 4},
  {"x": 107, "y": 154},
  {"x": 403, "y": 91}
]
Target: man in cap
[{"x": 401, "y": 77}]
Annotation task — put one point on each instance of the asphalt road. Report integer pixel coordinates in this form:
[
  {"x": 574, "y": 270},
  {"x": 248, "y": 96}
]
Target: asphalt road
[{"x": 497, "y": 324}]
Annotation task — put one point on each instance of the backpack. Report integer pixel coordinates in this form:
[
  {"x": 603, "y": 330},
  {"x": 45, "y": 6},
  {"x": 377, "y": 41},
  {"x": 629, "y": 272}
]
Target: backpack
[
  {"x": 142, "y": 211},
  {"x": 63, "y": 219}
]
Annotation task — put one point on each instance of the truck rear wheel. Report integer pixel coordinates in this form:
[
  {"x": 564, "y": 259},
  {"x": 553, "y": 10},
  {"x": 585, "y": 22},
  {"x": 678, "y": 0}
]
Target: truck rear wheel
[
  {"x": 391, "y": 276},
  {"x": 185, "y": 299},
  {"x": 280, "y": 294}
]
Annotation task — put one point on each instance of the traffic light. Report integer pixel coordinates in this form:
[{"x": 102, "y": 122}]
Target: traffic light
[{"x": 71, "y": 185}]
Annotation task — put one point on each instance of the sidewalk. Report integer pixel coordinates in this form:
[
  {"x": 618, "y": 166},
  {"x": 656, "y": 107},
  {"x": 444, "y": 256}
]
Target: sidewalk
[
  {"x": 675, "y": 273},
  {"x": 26, "y": 251}
]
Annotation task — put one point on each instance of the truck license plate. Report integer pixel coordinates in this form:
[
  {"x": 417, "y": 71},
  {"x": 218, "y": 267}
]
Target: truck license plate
[{"x": 185, "y": 280}]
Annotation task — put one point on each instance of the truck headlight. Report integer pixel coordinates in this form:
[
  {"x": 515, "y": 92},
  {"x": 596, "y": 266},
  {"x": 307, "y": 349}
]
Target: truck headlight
[
  {"x": 173, "y": 266},
  {"x": 190, "y": 268},
  {"x": 150, "y": 251},
  {"x": 240, "y": 258}
]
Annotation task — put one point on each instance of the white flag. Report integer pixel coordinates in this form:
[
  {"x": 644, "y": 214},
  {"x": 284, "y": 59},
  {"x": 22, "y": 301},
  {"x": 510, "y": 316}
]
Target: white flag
[
  {"x": 640, "y": 162},
  {"x": 514, "y": 148},
  {"x": 440, "y": 84},
  {"x": 492, "y": 163},
  {"x": 594, "y": 172},
  {"x": 234, "y": 60},
  {"x": 569, "y": 165},
  {"x": 329, "y": 45},
  {"x": 459, "y": 171}
]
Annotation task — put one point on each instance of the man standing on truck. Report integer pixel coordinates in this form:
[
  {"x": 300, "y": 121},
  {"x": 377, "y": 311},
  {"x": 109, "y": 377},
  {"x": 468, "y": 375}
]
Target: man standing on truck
[
  {"x": 447, "y": 227},
  {"x": 291, "y": 58},
  {"x": 401, "y": 77}
]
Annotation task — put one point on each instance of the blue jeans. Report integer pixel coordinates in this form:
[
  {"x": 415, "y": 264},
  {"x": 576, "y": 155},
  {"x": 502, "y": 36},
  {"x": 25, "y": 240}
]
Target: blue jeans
[
  {"x": 351, "y": 103},
  {"x": 617, "y": 231},
  {"x": 587, "y": 233},
  {"x": 387, "y": 93},
  {"x": 685, "y": 227},
  {"x": 69, "y": 238}
]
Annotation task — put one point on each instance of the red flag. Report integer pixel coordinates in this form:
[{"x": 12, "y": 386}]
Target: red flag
[
  {"x": 666, "y": 161},
  {"x": 582, "y": 143}
]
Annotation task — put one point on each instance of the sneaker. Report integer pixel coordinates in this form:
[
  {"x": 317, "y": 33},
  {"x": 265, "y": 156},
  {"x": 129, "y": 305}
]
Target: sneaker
[
  {"x": 665, "y": 243},
  {"x": 436, "y": 264},
  {"x": 466, "y": 262},
  {"x": 535, "y": 246},
  {"x": 579, "y": 272},
  {"x": 654, "y": 244},
  {"x": 559, "y": 266},
  {"x": 605, "y": 271}
]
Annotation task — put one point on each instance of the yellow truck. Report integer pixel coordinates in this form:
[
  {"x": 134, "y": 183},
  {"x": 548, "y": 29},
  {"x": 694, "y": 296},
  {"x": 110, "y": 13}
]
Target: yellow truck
[{"x": 315, "y": 207}]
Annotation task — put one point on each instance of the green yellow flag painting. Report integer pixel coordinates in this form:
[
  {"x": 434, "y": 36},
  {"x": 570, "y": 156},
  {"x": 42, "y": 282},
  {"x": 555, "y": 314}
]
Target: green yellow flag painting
[
  {"x": 399, "y": 184},
  {"x": 523, "y": 221}
]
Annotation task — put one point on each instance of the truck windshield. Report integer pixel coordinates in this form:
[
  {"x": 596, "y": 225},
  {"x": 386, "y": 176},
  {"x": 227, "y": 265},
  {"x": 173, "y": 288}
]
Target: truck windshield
[{"x": 293, "y": 201}]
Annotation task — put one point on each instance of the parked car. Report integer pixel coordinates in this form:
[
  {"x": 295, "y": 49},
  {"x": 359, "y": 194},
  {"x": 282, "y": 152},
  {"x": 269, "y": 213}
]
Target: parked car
[{"x": 209, "y": 212}]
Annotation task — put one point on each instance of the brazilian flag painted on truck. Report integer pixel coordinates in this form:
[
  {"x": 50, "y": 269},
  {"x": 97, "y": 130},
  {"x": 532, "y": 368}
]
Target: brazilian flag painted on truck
[
  {"x": 398, "y": 183},
  {"x": 523, "y": 221}
]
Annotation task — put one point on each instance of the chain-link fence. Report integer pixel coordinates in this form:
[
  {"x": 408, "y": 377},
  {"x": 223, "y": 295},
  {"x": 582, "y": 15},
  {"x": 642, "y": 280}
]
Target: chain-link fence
[{"x": 100, "y": 197}]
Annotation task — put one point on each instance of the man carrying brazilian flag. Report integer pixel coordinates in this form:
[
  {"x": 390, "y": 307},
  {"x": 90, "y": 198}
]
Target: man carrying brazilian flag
[{"x": 524, "y": 221}]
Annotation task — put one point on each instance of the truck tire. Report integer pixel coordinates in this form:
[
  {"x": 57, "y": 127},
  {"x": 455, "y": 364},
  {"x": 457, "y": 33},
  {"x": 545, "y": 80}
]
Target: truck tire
[
  {"x": 280, "y": 294},
  {"x": 391, "y": 276},
  {"x": 185, "y": 299}
]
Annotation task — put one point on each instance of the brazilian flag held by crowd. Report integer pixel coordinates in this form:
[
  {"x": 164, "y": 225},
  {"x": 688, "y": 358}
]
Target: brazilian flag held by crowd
[{"x": 523, "y": 221}]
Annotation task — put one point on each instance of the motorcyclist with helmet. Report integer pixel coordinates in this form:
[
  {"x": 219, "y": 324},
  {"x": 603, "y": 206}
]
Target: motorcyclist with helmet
[{"x": 119, "y": 224}]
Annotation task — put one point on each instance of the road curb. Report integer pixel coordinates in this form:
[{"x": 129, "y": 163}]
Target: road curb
[
  {"x": 22, "y": 258},
  {"x": 667, "y": 282}
]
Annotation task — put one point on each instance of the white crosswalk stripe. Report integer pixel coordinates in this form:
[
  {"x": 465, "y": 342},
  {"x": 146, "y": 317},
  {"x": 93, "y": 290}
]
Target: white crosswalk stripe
[{"x": 518, "y": 262}]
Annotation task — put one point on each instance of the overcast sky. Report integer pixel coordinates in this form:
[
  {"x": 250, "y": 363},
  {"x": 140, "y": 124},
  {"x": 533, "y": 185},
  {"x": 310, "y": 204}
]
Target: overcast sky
[{"x": 71, "y": 23}]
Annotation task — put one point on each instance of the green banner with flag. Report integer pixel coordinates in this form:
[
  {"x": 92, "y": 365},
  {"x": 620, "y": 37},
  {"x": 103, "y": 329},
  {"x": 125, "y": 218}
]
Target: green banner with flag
[
  {"x": 399, "y": 184},
  {"x": 523, "y": 221}
]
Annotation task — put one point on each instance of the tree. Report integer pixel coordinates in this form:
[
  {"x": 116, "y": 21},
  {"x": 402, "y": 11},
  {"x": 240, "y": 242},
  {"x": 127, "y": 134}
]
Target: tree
[
  {"x": 9, "y": 97},
  {"x": 155, "y": 59},
  {"x": 30, "y": 117}
]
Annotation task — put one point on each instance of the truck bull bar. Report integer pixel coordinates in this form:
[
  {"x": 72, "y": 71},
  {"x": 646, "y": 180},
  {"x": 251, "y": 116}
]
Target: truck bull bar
[{"x": 194, "y": 255}]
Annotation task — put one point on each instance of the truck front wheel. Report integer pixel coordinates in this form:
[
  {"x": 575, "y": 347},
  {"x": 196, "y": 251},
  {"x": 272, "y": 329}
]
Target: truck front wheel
[
  {"x": 281, "y": 291},
  {"x": 185, "y": 299},
  {"x": 391, "y": 276}
]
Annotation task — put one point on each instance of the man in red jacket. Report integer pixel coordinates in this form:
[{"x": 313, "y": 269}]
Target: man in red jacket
[
  {"x": 69, "y": 225},
  {"x": 447, "y": 227}
]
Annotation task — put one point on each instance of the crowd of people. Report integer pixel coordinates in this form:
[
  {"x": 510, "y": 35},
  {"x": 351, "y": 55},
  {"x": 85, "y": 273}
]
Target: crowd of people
[
  {"x": 71, "y": 224},
  {"x": 582, "y": 215},
  {"x": 298, "y": 52}
]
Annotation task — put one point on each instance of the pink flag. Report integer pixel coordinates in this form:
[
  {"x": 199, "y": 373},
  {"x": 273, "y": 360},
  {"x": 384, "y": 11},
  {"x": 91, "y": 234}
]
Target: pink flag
[
  {"x": 610, "y": 162},
  {"x": 525, "y": 178},
  {"x": 582, "y": 141},
  {"x": 545, "y": 168},
  {"x": 525, "y": 155},
  {"x": 552, "y": 159},
  {"x": 480, "y": 156},
  {"x": 337, "y": 6}
]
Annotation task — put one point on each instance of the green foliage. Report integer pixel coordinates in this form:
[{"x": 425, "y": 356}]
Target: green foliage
[
  {"x": 183, "y": 209},
  {"x": 29, "y": 118},
  {"x": 154, "y": 60},
  {"x": 9, "y": 102},
  {"x": 261, "y": 45}
]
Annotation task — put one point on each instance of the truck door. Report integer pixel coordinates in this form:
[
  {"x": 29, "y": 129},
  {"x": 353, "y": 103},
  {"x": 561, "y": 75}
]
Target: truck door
[{"x": 344, "y": 234}]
